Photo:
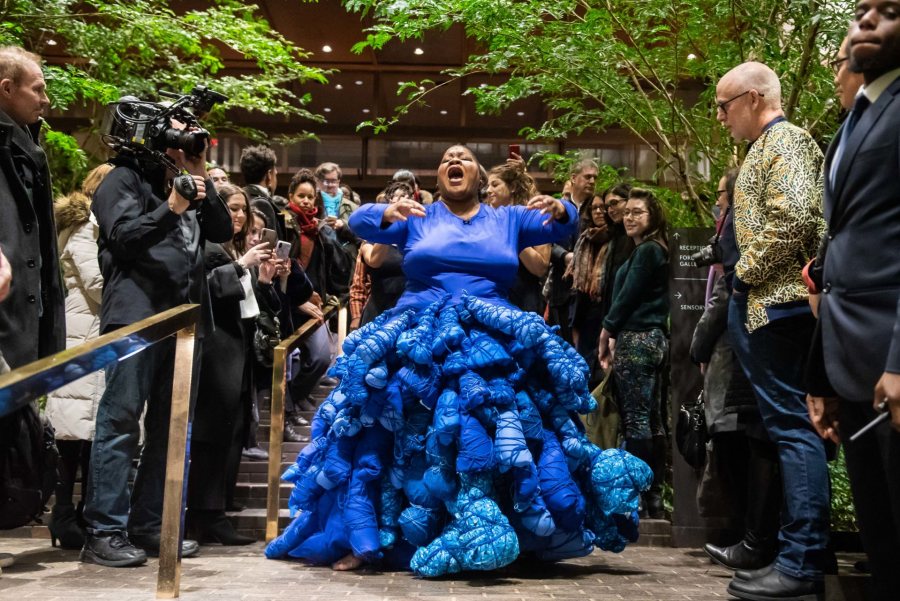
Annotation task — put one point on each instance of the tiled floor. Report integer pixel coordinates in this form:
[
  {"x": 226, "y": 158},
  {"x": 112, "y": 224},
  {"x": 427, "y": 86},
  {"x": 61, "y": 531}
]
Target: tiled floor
[{"x": 242, "y": 573}]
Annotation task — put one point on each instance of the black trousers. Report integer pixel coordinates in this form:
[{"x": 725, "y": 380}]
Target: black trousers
[{"x": 873, "y": 465}]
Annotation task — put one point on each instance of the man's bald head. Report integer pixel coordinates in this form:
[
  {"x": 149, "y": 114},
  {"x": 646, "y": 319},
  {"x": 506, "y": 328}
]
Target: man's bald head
[
  {"x": 747, "y": 98},
  {"x": 756, "y": 76}
]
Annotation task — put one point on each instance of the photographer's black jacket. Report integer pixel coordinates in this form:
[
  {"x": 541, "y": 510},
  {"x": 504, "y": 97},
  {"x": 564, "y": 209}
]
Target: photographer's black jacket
[{"x": 151, "y": 258}]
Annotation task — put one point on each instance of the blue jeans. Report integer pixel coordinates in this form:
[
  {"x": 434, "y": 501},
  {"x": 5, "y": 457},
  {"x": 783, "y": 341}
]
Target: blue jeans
[
  {"x": 146, "y": 376},
  {"x": 773, "y": 357}
]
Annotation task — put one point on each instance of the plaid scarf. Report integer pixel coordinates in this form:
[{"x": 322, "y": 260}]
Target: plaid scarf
[{"x": 586, "y": 269}]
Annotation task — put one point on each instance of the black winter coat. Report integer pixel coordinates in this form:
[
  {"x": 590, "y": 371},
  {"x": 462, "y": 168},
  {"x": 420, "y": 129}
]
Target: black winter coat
[
  {"x": 151, "y": 258},
  {"x": 32, "y": 318},
  {"x": 223, "y": 398}
]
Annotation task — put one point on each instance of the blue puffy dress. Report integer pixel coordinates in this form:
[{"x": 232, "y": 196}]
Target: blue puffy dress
[{"x": 452, "y": 441}]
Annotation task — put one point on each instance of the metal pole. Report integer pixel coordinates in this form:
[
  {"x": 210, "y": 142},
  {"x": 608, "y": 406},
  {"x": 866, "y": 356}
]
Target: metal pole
[
  {"x": 169, "y": 578},
  {"x": 276, "y": 437}
]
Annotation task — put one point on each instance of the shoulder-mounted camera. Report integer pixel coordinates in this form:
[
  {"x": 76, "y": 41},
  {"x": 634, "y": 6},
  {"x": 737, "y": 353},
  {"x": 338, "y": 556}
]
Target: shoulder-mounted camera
[{"x": 145, "y": 130}]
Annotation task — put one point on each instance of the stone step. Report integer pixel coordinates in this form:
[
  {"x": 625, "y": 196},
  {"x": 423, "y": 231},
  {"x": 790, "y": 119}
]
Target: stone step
[
  {"x": 655, "y": 533},
  {"x": 253, "y": 495}
]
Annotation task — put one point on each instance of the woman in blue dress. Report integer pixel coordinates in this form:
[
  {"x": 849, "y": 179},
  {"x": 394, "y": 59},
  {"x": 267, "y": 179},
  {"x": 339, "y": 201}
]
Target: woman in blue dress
[{"x": 452, "y": 441}]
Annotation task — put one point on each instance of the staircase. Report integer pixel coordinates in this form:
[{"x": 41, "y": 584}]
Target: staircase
[{"x": 252, "y": 486}]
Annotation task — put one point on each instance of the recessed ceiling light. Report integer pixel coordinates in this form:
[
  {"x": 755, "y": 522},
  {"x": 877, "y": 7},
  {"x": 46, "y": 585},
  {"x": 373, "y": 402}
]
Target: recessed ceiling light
[
  {"x": 443, "y": 111},
  {"x": 521, "y": 113},
  {"x": 418, "y": 52},
  {"x": 358, "y": 82},
  {"x": 51, "y": 42},
  {"x": 327, "y": 109},
  {"x": 339, "y": 87},
  {"x": 326, "y": 48},
  {"x": 366, "y": 111},
  {"x": 691, "y": 57}
]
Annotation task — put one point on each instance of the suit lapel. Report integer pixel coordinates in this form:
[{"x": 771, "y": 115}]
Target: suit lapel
[
  {"x": 859, "y": 134},
  {"x": 826, "y": 169}
]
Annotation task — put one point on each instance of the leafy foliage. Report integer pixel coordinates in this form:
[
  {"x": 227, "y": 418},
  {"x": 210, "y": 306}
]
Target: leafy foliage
[
  {"x": 843, "y": 515},
  {"x": 650, "y": 66},
  {"x": 139, "y": 47}
]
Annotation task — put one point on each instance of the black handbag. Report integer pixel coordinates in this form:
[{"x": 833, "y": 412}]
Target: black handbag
[
  {"x": 691, "y": 434},
  {"x": 265, "y": 338}
]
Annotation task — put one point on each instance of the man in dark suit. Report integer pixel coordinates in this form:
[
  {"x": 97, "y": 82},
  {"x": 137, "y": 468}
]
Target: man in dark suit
[{"x": 859, "y": 315}]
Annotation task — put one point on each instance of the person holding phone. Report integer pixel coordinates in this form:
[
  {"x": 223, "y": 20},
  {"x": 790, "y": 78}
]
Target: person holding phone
[{"x": 233, "y": 270}]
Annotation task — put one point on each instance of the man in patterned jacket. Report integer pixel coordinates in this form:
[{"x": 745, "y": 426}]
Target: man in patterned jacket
[{"x": 778, "y": 223}]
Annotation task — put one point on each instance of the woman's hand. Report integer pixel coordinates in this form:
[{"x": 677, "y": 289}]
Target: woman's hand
[
  {"x": 267, "y": 271},
  {"x": 402, "y": 210},
  {"x": 256, "y": 255},
  {"x": 309, "y": 308},
  {"x": 316, "y": 299},
  {"x": 606, "y": 349},
  {"x": 548, "y": 205}
]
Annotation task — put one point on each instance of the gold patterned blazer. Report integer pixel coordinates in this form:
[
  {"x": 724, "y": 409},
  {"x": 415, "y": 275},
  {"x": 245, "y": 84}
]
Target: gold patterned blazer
[{"x": 777, "y": 217}]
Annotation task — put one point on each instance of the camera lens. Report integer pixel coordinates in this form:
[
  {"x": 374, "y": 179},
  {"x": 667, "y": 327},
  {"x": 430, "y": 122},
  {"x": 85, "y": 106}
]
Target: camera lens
[{"x": 191, "y": 142}]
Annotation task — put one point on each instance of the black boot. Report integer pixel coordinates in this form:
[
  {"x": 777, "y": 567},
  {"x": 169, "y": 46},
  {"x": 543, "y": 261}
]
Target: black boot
[
  {"x": 764, "y": 495},
  {"x": 64, "y": 528},
  {"x": 741, "y": 556},
  {"x": 215, "y": 527}
]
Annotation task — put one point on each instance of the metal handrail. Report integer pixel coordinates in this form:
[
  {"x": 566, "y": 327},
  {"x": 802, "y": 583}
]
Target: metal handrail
[
  {"x": 24, "y": 384},
  {"x": 276, "y": 412}
]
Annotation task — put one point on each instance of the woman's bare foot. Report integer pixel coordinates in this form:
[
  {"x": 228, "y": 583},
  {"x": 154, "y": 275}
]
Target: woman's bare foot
[{"x": 349, "y": 562}]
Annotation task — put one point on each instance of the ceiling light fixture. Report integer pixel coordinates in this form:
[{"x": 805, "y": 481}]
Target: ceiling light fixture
[
  {"x": 339, "y": 87},
  {"x": 443, "y": 111},
  {"x": 521, "y": 113},
  {"x": 326, "y": 48},
  {"x": 51, "y": 42},
  {"x": 418, "y": 52},
  {"x": 327, "y": 109},
  {"x": 366, "y": 111},
  {"x": 358, "y": 82}
]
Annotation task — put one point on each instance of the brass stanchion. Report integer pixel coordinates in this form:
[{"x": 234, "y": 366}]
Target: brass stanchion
[{"x": 169, "y": 577}]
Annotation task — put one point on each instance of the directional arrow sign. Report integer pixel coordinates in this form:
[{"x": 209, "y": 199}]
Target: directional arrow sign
[{"x": 678, "y": 295}]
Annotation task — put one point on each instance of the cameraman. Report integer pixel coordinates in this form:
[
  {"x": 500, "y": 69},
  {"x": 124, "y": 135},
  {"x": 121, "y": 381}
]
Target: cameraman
[{"x": 151, "y": 255}]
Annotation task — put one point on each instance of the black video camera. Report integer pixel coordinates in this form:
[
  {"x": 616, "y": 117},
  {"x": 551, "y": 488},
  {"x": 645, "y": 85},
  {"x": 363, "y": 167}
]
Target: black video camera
[{"x": 145, "y": 128}]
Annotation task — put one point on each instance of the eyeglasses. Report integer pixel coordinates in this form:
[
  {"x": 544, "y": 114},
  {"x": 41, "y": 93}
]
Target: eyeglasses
[
  {"x": 721, "y": 105},
  {"x": 330, "y": 182},
  {"x": 634, "y": 213},
  {"x": 598, "y": 209},
  {"x": 836, "y": 63}
]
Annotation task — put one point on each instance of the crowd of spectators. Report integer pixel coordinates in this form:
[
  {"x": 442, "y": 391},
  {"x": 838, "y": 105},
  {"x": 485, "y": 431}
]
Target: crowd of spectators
[{"x": 782, "y": 370}]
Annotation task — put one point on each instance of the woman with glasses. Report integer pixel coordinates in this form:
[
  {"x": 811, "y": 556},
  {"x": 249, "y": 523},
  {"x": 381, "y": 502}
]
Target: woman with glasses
[
  {"x": 634, "y": 337},
  {"x": 601, "y": 232}
]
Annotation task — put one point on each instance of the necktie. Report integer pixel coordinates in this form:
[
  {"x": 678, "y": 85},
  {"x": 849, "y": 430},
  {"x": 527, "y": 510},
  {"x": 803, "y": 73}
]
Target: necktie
[{"x": 861, "y": 103}]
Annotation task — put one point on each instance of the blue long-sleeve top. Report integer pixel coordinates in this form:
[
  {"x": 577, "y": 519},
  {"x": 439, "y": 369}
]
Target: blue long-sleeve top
[{"x": 444, "y": 253}]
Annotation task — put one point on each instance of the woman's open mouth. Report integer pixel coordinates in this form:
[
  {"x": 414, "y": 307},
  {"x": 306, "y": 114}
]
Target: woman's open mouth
[{"x": 455, "y": 174}]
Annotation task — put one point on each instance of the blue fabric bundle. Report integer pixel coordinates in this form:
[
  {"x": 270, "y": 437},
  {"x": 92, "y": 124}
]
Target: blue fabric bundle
[{"x": 452, "y": 443}]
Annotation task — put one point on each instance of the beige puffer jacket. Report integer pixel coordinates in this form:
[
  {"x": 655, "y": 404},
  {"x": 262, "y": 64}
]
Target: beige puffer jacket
[{"x": 72, "y": 409}]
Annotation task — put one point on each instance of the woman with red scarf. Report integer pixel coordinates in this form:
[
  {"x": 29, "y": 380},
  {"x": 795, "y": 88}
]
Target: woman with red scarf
[{"x": 329, "y": 267}]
